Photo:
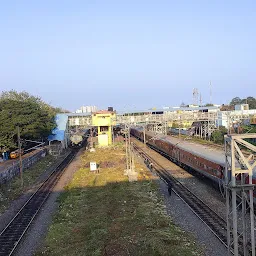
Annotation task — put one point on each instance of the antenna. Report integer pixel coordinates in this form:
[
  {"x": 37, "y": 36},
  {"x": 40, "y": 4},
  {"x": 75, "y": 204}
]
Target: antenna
[
  {"x": 210, "y": 92},
  {"x": 200, "y": 99},
  {"x": 195, "y": 96}
]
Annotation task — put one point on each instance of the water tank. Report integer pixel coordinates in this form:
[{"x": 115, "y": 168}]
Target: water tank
[{"x": 110, "y": 109}]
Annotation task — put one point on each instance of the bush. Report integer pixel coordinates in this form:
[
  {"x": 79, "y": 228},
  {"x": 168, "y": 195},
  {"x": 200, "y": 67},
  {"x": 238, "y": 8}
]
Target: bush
[{"x": 218, "y": 135}]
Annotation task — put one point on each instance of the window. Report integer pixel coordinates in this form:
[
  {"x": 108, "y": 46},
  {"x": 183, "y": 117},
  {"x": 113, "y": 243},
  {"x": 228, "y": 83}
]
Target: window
[{"x": 103, "y": 128}]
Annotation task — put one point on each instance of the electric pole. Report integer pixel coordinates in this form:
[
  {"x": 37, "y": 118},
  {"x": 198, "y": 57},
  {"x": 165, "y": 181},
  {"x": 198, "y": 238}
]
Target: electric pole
[{"x": 20, "y": 158}]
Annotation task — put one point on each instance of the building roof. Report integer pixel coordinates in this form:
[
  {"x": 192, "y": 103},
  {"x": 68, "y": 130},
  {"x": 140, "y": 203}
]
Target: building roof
[
  {"x": 104, "y": 112},
  {"x": 58, "y": 135},
  {"x": 161, "y": 110},
  {"x": 78, "y": 114}
]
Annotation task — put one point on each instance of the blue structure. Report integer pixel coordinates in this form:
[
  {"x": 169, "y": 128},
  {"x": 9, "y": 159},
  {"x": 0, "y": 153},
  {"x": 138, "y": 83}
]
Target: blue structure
[{"x": 60, "y": 133}]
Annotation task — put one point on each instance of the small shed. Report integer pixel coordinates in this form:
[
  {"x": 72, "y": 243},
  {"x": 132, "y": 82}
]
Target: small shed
[
  {"x": 59, "y": 139},
  {"x": 104, "y": 120}
]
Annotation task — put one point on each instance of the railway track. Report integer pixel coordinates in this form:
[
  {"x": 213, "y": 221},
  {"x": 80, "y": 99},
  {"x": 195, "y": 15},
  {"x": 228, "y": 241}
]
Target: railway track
[
  {"x": 17, "y": 227},
  {"x": 216, "y": 223}
]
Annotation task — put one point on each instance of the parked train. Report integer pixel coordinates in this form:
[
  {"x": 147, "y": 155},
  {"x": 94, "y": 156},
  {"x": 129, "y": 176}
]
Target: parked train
[
  {"x": 189, "y": 155},
  {"x": 77, "y": 138}
]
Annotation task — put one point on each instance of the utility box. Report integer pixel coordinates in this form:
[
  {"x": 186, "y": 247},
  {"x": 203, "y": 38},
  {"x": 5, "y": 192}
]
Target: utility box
[{"x": 93, "y": 166}]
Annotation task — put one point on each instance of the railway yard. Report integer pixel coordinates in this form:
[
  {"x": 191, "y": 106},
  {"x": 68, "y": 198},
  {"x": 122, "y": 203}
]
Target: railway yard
[
  {"x": 128, "y": 128},
  {"x": 171, "y": 208}
]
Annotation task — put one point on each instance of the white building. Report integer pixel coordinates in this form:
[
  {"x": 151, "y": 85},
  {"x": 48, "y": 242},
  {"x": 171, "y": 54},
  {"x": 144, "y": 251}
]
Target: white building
[
  {"x": 242, "y": 107},
  {"x": 86, "y": 109},
  {"x": 226, "y": 118}
]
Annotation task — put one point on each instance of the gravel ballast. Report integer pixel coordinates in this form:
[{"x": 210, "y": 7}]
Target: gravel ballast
[{"x": 182, "y": 215}]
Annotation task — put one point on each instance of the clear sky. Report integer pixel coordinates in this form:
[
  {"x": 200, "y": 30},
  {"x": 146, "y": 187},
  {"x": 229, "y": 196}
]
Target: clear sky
[{"x": 132, "y": 54}]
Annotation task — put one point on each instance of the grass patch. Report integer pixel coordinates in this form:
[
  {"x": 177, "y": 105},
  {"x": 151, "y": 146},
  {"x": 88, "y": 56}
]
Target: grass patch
[
  {"x": 13, "y": 189},
  {"x": 105, "y": 214}
]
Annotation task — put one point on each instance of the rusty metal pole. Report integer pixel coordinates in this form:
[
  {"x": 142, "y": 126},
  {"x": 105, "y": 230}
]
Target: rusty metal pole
[
  {"x": 179, "y": 125},
  {"x": 144, "y": 134}
]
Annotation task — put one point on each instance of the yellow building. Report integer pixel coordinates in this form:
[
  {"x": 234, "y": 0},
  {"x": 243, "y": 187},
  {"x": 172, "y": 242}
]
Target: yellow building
[
  {"x": 253, "y": 119},
  {"x": 104, "y": 120}
]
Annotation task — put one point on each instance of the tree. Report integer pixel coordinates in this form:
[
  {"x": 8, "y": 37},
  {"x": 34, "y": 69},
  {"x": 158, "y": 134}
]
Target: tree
[
  {"x": 251, "y": 101},
  {"x": 183, "y": 105},
  {"x": 249, "y": 128},
  {"x": 61, "y": 110},
  {"x": 34, "y": 117},
  {"x": 235, "y": 101},
  {"x": 218, "y": 135}
]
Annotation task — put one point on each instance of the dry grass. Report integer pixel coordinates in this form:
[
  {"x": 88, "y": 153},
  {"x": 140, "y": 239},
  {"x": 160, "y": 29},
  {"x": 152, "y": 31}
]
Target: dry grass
[{"x": 104, "y": 214}]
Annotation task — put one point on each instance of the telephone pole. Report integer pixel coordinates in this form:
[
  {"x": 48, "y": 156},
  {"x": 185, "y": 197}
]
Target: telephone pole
[{"x": 20, "y": 158}]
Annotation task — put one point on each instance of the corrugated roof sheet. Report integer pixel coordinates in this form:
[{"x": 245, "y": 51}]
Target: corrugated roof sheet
[
  {"x": 59, "y": 135},
  {"x": 59, "y": 132},
  {"x": 61, "y": 121}
]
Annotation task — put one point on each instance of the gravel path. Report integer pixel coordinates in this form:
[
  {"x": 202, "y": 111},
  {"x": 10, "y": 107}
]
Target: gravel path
[
  {"x": 199, "y": 185},
  {"x": 189, "y": 222},
  {"x": 34, "y": 237},
  {"x": 182, "y": 214}
]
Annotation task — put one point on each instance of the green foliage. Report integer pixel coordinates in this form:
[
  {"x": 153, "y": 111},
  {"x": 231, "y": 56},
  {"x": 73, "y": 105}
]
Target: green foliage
[
  {"x": 177, "y": 124},
  {"x": 61, "y": 110},
  {"x": 34, "y": 117},
  {"x": 183, "y": 105},
  {"x": 249, "y": 100},
  {"x": 236, "y": 101},
  {"x": 218, "y": 135},
  {"x": 249, "y": 128}
]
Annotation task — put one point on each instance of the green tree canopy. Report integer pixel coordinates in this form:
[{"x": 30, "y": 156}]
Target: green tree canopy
[
  {"x": 218, "y": 135},
  {"x": 235, "y": 101},
  {"x": 249, "y": 128},
  {"x": 249, "y": 100},
  {"x": 34, "y": 117}
]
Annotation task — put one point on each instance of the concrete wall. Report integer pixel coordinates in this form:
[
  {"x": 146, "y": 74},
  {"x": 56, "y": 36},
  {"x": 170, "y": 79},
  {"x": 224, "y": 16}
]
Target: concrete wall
[{"x": 13, "y": 170}]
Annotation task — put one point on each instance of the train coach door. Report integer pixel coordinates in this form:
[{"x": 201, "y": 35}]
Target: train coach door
[{"x": 176, "y": 154}]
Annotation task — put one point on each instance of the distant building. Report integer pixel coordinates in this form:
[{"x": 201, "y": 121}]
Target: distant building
[
  {"x": 86, "y": 109},
  {"x": 105, "y": 120},
  {"x": 242, "y": 107}
]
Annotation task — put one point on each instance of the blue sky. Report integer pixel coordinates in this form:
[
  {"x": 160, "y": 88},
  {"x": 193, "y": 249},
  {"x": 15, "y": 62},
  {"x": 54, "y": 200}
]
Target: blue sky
[{"x": 128, "y": 54}]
